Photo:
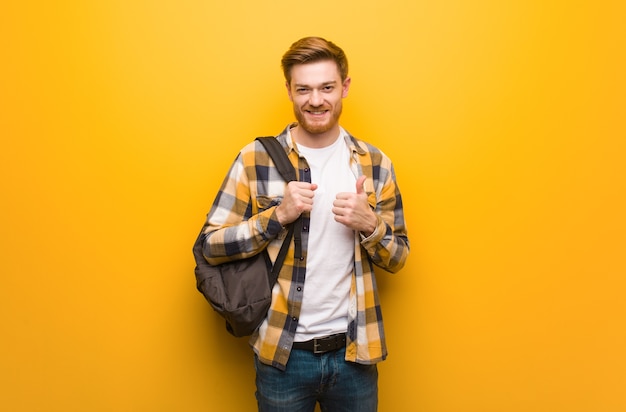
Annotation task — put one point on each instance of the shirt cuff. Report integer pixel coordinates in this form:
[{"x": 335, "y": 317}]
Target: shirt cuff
[{"x": 376, "y": 234}]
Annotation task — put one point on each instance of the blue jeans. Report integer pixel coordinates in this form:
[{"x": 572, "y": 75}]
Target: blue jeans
[{"x": 337, "y": 385}]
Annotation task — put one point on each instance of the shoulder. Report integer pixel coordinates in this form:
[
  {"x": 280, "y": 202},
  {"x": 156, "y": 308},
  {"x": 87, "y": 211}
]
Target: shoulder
[
  {"x": 255, "y": 146},
  {"x": 254, "y": 153},
  {"x": 365, "y": 149}
]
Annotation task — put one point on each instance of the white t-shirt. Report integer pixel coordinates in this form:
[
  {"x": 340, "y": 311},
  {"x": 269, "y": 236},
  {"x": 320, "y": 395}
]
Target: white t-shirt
[{"x": 330, "y": 253}]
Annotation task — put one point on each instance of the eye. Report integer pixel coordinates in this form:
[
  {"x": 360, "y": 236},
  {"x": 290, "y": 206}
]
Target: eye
[
  {"x": 301, "y": 90},
  {"x": 328, "y": 88}
]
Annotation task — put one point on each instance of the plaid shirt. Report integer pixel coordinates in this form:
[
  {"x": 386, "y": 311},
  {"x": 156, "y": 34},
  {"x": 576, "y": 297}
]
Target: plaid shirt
[{"x": 242, "y": 221}]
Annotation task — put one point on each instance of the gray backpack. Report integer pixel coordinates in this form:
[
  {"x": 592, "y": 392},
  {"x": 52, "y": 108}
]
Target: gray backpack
[{"x": 241, "y": 290}]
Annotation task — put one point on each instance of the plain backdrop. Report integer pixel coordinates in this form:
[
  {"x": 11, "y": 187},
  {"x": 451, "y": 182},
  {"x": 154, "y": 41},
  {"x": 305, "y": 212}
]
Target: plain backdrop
[{"x": 506, "y": 125}]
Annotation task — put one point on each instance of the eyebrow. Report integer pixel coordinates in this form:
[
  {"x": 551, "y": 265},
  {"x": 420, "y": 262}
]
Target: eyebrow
[{"x": 332, "y": 82}]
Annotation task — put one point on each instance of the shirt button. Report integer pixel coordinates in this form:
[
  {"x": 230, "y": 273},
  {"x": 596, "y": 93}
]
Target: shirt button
[
  {"x": 305, "y": 228},
  {"x": 299, "y": 289},
  {"x": 294, "y": 318},
  {"x": 301, "y": 257}
]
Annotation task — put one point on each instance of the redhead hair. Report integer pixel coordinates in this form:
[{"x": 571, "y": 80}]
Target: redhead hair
[{"x": 314, "y": 49}]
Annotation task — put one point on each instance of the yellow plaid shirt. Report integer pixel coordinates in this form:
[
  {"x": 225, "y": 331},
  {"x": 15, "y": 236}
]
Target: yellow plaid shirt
[{"x": 242, "y": 221}]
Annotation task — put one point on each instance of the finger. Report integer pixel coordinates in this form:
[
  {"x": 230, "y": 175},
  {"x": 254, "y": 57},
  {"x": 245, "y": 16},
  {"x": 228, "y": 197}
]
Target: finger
[
  {"x": 302, "y": 185},
  {"x": 359, "y": 185}
]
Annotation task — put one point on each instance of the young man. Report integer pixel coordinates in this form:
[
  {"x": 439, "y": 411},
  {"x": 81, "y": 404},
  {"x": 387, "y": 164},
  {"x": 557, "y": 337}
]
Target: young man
[{"x": 323, "y": 334}]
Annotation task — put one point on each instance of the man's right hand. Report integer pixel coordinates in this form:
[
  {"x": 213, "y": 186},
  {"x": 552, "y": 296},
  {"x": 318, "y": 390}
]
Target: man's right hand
[{"x": 298, "y": 198}]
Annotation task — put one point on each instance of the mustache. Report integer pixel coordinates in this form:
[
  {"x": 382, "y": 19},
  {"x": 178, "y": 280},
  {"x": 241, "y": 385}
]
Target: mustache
[{"x": 314, "y": 108}]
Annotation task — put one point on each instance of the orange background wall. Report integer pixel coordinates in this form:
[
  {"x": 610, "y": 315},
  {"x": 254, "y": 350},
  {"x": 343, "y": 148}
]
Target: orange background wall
[{"x": 506, "y": 123}]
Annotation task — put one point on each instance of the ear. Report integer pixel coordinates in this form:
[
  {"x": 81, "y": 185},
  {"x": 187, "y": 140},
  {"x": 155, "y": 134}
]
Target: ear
[
  {"x": 346, "y": 87},
  {"x": 289, "y": 91}
]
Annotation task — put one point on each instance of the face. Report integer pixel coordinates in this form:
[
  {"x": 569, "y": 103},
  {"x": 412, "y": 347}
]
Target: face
[{"x": 316, "y": 91}]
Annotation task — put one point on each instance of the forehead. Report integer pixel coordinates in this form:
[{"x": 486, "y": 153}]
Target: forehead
[{"x": 319, "y": 72}]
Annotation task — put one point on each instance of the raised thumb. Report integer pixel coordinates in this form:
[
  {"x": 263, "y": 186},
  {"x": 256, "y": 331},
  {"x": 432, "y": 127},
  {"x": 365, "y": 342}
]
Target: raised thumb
[{"x": 359, "y": 185}]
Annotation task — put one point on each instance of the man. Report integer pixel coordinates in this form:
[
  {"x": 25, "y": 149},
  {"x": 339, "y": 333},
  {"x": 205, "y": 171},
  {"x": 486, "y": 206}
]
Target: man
[{"x": 323, "y": 334}]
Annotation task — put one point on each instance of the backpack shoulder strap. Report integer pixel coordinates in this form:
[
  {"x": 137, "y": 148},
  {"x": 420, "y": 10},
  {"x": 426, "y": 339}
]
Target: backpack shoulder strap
[
  {"x": 287, "y": 171},
  {"x": 278, "y": 155}
]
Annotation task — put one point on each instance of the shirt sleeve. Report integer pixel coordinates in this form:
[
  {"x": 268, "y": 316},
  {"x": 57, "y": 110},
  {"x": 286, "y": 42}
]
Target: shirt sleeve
[
  {"x": 388, "y": 245},
  {"x": 236, "y": 227}
]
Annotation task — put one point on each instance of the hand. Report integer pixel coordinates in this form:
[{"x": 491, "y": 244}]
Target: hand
[
  {"x": 298, "y": 198},
  {"x": 353, "y": 210}
]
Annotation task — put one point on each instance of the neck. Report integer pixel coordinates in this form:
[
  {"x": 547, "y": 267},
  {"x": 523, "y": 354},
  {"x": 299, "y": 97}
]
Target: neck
[{"x": 315, "y": 140}]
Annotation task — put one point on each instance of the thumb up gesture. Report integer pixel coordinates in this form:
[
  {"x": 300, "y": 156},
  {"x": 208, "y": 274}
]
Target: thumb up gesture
[{"x": 353, "y": 210}]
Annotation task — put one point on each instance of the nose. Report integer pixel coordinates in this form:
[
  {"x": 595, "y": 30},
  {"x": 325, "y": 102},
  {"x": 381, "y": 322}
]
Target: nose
[{"x": 315, "y": 98}]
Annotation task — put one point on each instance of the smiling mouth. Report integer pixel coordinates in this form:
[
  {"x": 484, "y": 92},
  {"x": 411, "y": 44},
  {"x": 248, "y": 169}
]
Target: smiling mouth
[{"x": 316, "y": 112}]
